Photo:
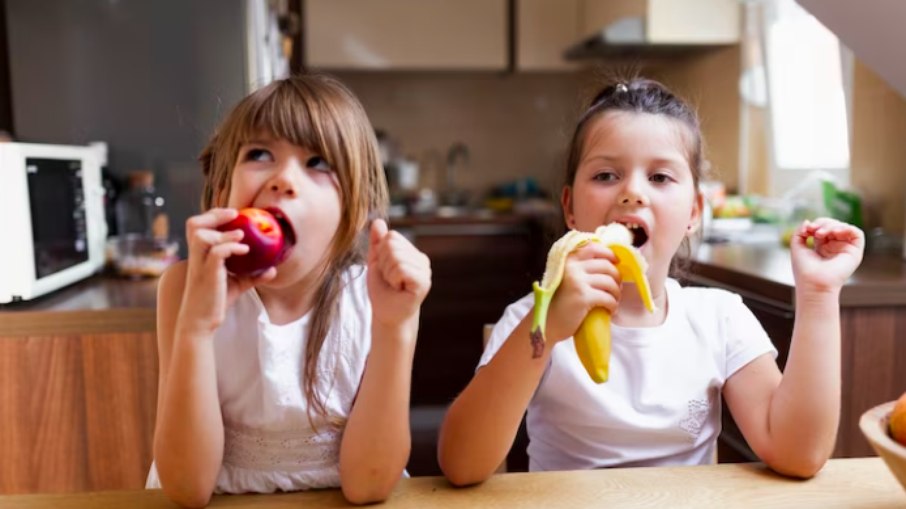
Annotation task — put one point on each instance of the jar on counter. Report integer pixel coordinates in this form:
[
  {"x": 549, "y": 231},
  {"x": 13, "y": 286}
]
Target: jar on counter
[
  {"x": 140, "y": 210},
  {"x": 142, "y": 247}
]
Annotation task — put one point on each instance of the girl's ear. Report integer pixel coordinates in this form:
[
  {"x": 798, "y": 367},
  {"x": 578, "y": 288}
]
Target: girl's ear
[
  {"x": 567, "y": 205},
  {"x": 695, "y": 218}
]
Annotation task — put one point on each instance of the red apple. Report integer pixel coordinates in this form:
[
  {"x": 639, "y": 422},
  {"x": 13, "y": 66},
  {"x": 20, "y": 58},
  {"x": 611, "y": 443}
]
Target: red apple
[{"x": 265, "y": 238}]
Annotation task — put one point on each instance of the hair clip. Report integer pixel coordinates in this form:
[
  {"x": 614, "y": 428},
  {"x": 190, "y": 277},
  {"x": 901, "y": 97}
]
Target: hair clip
[{"x": 622, "y": 88}]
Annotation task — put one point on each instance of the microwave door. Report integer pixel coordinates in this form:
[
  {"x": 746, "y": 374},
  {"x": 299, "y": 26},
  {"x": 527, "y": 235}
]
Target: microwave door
[{"x": 58, "y": 218}]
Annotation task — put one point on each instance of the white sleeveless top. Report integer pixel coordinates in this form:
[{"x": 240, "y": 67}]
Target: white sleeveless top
[{"x": 269, "y": 444}]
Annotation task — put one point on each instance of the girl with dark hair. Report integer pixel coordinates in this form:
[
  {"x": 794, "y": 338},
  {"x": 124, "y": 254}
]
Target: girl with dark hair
[{"x": 635, "y": 159}]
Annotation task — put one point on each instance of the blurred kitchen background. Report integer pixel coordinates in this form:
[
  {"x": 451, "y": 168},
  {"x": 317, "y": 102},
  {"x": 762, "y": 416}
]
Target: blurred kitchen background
[
  {"x": 476, "y": 99},
  {"x": 801, "y": 102}
]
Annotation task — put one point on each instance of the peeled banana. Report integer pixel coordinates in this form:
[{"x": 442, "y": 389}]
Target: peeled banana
[{"x": 593, "y": 337}]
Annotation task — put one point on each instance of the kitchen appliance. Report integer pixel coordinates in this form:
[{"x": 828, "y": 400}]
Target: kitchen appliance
[
  {"x": 610, "y": 28},
  {"x": 52, "y": 224}
]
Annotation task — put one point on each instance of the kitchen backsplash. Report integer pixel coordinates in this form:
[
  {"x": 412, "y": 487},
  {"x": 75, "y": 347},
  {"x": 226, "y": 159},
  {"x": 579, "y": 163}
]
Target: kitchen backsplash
[
  {"x": 514, "y": 125},
  {"x": 518, "y": 125}
]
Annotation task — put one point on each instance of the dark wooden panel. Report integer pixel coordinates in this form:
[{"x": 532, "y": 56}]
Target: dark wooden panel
[
  {"x": 874, "y": 369},
  {"x": 77, "y": 413},
  {"x": 474, "y": 278}
]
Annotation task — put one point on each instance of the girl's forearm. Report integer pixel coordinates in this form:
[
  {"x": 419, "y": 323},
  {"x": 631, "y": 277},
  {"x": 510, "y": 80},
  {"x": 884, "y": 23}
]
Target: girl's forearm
[
  {"x": 482, "y": 422},
  {"x": 188, "y": 444},
  {"x": 377, "y": 440},
  {"x": 805, "y": 410}
]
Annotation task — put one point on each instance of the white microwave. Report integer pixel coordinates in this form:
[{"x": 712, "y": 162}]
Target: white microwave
[{"x": 52, "y": 225}]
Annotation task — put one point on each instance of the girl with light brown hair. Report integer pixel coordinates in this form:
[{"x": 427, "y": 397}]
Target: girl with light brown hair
[{"x": 264, "y": 384}]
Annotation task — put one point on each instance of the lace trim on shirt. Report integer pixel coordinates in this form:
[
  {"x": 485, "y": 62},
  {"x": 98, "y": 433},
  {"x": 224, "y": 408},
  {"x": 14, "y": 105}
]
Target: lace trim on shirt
[{"x": 292, "y": 450}]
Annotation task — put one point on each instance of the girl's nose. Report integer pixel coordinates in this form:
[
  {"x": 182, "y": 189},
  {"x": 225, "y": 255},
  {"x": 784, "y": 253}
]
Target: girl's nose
[
  {"x": 283, "y": 188},
  {"x": 283, "y": 182},
  {"x": 633, "y": 195}
]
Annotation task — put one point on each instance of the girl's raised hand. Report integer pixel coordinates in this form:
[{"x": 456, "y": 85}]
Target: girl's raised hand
[
  {"x": 399, "y": 276},
  {"x": 837, "y": 253},
  {"x": 209, "y": 288},
  {"x": 590, "y": 280}
]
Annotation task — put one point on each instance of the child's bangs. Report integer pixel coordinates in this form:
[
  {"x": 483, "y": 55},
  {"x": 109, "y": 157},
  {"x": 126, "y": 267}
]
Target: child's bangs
[{"x": 281, "y": 116}]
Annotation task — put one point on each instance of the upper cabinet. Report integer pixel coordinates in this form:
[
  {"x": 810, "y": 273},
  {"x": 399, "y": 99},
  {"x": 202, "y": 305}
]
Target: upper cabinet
[
  {"x": 406, "y": 34},
  {"x": 544, "y": 29},
  {"x": 475, "y": 34},
  {"x": 651, "y": 26}
]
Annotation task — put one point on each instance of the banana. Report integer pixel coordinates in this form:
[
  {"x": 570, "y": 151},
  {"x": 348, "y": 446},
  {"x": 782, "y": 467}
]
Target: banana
[{"x": 593, "y": 337}]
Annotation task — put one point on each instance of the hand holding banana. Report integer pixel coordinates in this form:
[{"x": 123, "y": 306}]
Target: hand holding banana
[{"x": 593, "y": 336}]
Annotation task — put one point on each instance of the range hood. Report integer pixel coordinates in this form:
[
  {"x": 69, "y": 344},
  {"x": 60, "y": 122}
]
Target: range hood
[{"x": 654, "y": 27}]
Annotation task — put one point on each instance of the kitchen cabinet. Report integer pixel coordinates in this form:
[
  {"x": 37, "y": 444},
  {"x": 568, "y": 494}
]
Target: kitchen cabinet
[
  {"x": 78, "y": 389},
  {"x": 666, "y": 21},
  {"x": 479, "y": 266},
  {"x": 872, "y": 321},
  {"x": 406, "y": 34},
  {"x": 544, "y": 29}
]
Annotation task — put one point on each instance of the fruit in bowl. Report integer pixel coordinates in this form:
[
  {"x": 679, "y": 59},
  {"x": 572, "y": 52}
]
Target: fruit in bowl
[
  {"x": 878, "y": 425},
  {"x": 897, "y": 422},
  {"x": 269, "y": 236}
]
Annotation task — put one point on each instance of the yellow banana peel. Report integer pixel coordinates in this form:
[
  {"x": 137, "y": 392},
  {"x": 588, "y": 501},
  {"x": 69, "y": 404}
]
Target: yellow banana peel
[{"x": 592, "y": 339}]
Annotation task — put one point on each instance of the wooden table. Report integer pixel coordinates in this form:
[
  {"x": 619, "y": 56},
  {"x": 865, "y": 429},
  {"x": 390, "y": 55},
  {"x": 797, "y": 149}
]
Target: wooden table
[{"x": 852, "y": 483}]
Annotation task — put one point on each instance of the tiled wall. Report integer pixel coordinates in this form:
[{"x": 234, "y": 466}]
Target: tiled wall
[
  {"x": 514, "y": 125},
  {"x": 518, "y": 125}
]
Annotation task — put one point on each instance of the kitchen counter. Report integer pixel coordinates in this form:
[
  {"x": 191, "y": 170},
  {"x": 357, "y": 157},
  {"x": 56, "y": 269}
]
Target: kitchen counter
[
  {"x": 98, "y": 304},
  {"x": 78, "y": 373},
  {"x": 765, "y": 270},
  {"x": 857, "y": 483}
]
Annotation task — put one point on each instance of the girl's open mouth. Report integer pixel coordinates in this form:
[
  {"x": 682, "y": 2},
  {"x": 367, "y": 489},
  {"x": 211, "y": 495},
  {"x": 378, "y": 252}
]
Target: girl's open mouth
[
  {"x": 639, "y": 235},
  {"x": 289, "y": 234}
]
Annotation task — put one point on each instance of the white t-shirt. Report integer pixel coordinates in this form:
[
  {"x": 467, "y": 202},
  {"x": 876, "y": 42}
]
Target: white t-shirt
[
  {"x": 269, "y": 444},
  {"x": 661, "y": 404}
]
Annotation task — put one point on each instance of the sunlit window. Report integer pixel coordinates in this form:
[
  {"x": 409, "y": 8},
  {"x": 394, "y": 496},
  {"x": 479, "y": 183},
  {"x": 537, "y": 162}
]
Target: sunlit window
[{"x": 805, "y": 91}]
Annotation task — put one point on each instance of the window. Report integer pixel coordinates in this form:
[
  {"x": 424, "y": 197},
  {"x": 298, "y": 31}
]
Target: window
[{"x": 807, "y": 97}]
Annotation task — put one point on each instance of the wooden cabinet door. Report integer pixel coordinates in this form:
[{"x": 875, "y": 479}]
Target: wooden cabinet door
[
  {"x": 694, "y": 21},
  {"x": 477, "y": 271},
  {"x": 76, "y": 411},
  {"x": 406, "y": 34},
  {"x": 544, "y": 30},
  {"x": 668, "y": 21}
]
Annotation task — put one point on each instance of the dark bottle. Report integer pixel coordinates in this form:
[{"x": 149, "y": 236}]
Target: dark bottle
[{"x": 140, "y": 210}]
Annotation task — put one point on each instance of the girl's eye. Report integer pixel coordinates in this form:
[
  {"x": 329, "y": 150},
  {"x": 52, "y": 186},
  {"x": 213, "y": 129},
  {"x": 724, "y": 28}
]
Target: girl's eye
[
  {"x": 660, "y": 178},
  {"x": 258, "y": 154},
  {"x": 605, "y": 176},
  {"x": 318, "y": 163}
]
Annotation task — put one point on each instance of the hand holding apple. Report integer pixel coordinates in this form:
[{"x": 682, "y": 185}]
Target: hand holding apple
[{"x": 265, "y": 236}]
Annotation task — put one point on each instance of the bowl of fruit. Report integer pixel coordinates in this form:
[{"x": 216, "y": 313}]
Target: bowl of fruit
[{"x": 885, "y": 428}]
